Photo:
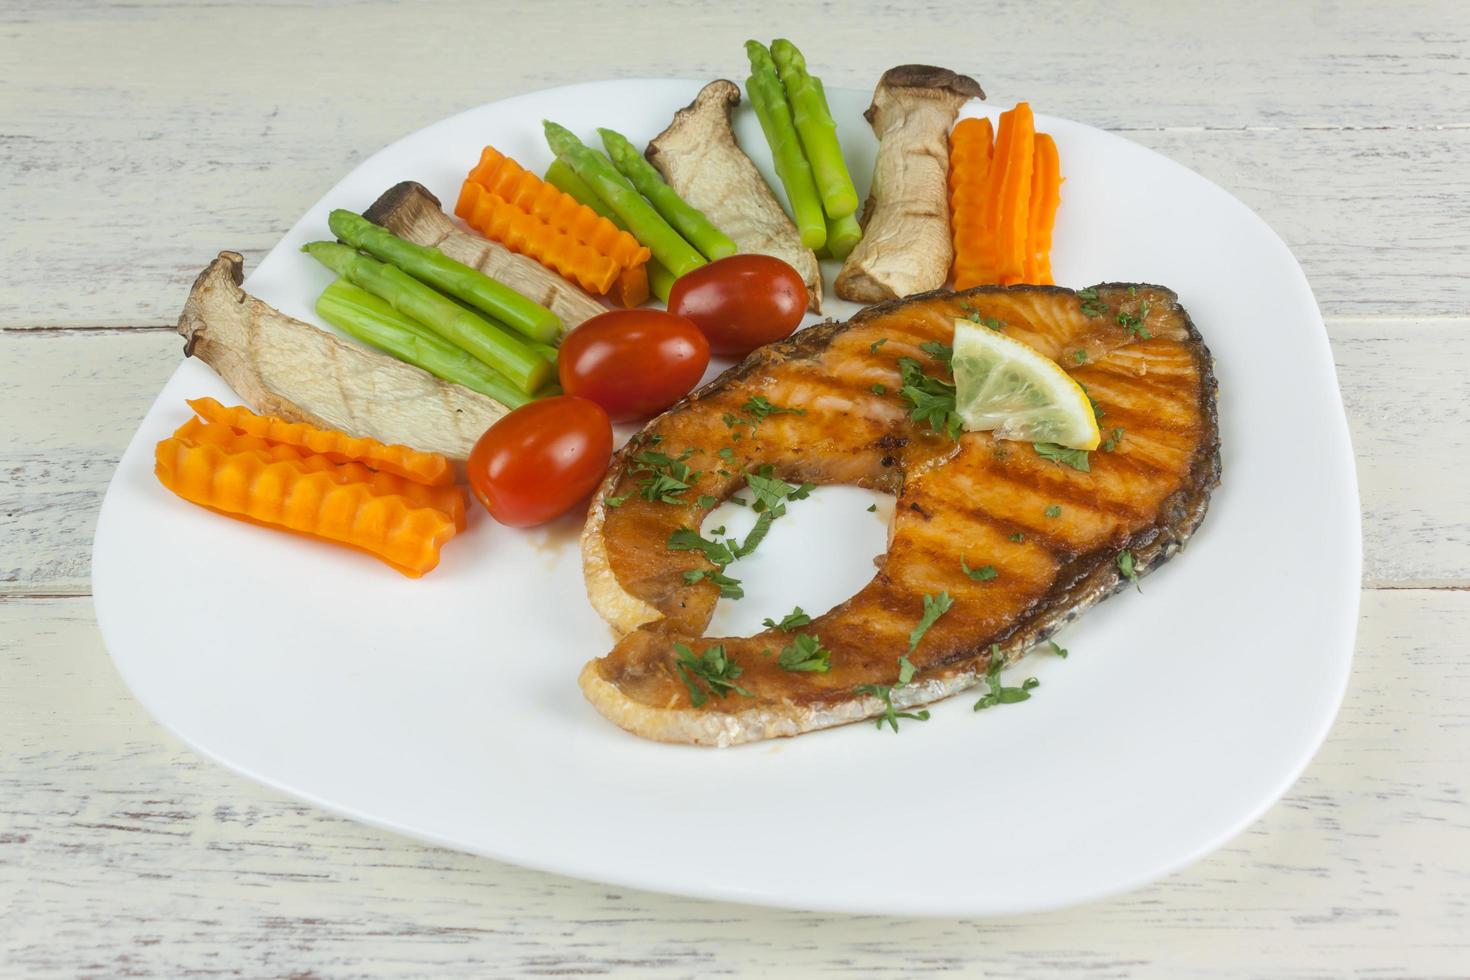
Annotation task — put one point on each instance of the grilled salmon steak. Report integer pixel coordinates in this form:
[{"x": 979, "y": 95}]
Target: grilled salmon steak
[{"x": 826, "y": 406}]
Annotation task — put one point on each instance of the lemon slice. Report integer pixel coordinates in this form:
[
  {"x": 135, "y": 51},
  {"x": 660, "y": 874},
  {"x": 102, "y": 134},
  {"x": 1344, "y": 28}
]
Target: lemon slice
[{"x": 1006, "y": 387}]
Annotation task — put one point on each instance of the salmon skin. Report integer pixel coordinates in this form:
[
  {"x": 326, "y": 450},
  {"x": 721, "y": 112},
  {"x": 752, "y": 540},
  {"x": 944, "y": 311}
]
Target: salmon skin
[{"x": 1055, "y": 535}]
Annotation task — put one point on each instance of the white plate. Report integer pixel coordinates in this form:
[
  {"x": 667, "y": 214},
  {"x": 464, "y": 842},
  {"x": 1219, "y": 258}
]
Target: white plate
[{"x": 447, "y": 708}]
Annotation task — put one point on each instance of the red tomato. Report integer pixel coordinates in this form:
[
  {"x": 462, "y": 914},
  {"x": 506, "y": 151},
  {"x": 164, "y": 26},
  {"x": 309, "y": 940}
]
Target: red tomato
[
  {"x": 537, "y": 462},
  {"x": 741, "y": 302},
  {"x": 633, "y": 363}
]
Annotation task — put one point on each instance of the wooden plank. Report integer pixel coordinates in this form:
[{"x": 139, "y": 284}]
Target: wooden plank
[
  {"x": 140, "y": 141},
  {"x": 80, "y": 395},
  {"x": 121, "y": 852}
]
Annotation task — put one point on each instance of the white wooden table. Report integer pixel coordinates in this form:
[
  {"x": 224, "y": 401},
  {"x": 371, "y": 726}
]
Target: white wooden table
[{"x": 138, "y": 140}]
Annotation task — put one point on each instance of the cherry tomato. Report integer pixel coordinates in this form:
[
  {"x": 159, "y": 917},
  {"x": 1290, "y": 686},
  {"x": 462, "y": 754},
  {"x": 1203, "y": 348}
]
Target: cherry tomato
[
  {"x": 537, "y": 462},
  {"x": 741, "y": 302},
  {"x": 633, "y": 363}
]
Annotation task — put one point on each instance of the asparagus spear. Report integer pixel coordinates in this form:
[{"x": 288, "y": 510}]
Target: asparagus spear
[
  {"x": 564, "y": 179},
  {"x": 768, "y": 99},
  {"x": 360, "y": 314},
  {"x": 817, "y": 129},
  {"x": 644, "y": 223},
  {"x": 843, "y": 234},
  {"x": 454, "y": 278},
  {"x": 468, "y": 331},
  {"x": 698, "y": 230}
]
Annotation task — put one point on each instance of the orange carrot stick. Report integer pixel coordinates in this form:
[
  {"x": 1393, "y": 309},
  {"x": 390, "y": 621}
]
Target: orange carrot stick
[
  {"x": 446, "y": 498},
  {"x": 501, "y": 175},
  {"x": 1010, "y": 179},
  {"x": 1046, "y": 197},
  {"x": 277, "y": 493},
  {"x": 499, "y": 220},
  {"x": 970, "y": 160},
  {"x": 429, "y": 468},
  {"x": 630, "y": 289}
]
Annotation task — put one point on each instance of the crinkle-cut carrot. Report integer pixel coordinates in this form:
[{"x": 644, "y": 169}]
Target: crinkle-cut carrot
[
  {"x": 278, "y": 493},
  {"x": 1010, "y": 187},
  {"x": 1046, "y": 197},
  {"x": 969, "y": 158},
  {"x": 499, "y": 174},
  {"x": 499, "y": 220},
  {"x": 630, "y": 289},
  {"x": 429, "y": 468},
  {"x": 447, "y": 498}
]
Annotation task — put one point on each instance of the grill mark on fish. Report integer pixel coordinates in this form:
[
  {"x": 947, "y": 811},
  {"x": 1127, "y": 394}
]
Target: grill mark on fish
[{"x": 958, "y": 500}]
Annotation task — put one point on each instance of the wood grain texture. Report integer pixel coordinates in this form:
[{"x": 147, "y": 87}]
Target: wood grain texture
[
  {"x": 122, "y": 851},
  {"x": 56, "y": 466},
  {"x": 1342, "y": 123},
  {"x": 138, "y": 139}
]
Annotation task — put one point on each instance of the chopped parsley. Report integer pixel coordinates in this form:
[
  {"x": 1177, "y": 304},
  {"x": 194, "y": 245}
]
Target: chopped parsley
[
  {"x": 805, "y": 653},
  {"x": 973, "y": 315},
  {"x": 759, "y": 409},
  {"x": 1111, "y": 443},
  {"x": 1092, "y": 305},
  {"x": 730, "y": 588},
  {"x": 615, "y": 501},
  {"x": 934, "y": 607},
  {"x": 938, "y": 351},
  {"x": 1054, "y": 511},
  {"x": 705, "y": 501},
  {"x": 879, "y": 389},
  {"x": 1128, "y": 571},
  {"x": 727, "y": 454},
  {"x": 758, "y": 533},
  {"x": 890, "y": 715},
  {"x": 1018, "y": 537},
  {"x": 1057, "y": 649},
  {"x": 1134, "y": 323},
  {"x": 770, "y": 490},
  {"x": 1003, "y": 695},
  {"x": 872, "y": 508},
  {"x": 1080, "y": 356},
  {"x": 792, "y": 620},
  {"x": 718, "y": 552},
  {"x": 873, "y": 347},
  {"x": 1075, "y": 458},
  {"x": 665, "y": 478},
  {"x": 982, "y": 574},
  {"x": 933, "y": 399},
  {"x": 717, "y": 670}
]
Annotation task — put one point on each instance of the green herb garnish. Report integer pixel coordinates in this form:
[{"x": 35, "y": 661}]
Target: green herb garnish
[
  {"x": 872, "y": 508},
  {"x": 1134, "y": 323},
  {"x": 716, "y": 669},
  {"x": 1111, "y": 443},
  {"x": 805, "y": 653},
  {"x": 933, "y": 400},
  {"x": 879, "y": 389},
  {"x": 665, "y": 478},
  {"x": 1057, "y": 649},
  {"x": 889, "y": 716},
  {"x": 759, "y": 409},
  {"x": 938, "y": 351},
  {"x": 873, "y": 347},
  {"x": 792, "y": 620},
  {"x": 1075, "y": 458},
  {"x": 1092, "y": 306},
  {"x": 615, "y": 501},
  {"x": 1125, "y": 566},
  {"x": 934, "y": 607},
  {"x": 982, "y": 574},
  {"x": 1003, "y": 695},
  {"x": 1080, "y": 357},
  {"x": 730, "y": 588},
  {"x": 1018, "y": 537},
  {"x": 718, "y": 552},
  {"x": 1054, "y": 511}
]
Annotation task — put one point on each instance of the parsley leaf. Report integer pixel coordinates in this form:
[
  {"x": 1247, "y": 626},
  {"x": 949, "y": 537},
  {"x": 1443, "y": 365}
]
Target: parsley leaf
[
  {"x": 758, "y": 533},
  {"x": 938, "y": 351},
  {"x": 770, "y": 490},
  {"x": 879, "y": 389},
  {"x": 1092, "y": 305},
  {"x": 982, "y": 574},
  {"x": 718, "y": 552},
  {"x": 1080, "y": 356},
  {"x": 789, "y": 622},
  {"x": 1018, "y": 537},
  {"x": 934, "y": 607},
  {"x": 727, "y": 454},
  {"x": 1058, "y": 649},
  {"x": 705, "y": 501},
  {"x": 1075, "y": 458},
  {"x": 1003, "y": 695},
  {"x": 1134, "y": 324},
  {"x": 933, "y": 399},
  {"x": 889, "y": 716},
  {"x": 1054, "y": 511},
  {"x": 716, "y": 669},
  {"x": 730, "y": 588},
  {"x": 1125, "y": 566},
  {"x": 615, "y": 501},
  {"x": 665, "y": 477},
  {"x": 872, "y": 508},
  {"x": 759, "y": 409},
  {"x": 805, "y": 653},
  {"x": 873, "y": 347},
  {"x": 1111, "y": 443}
]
